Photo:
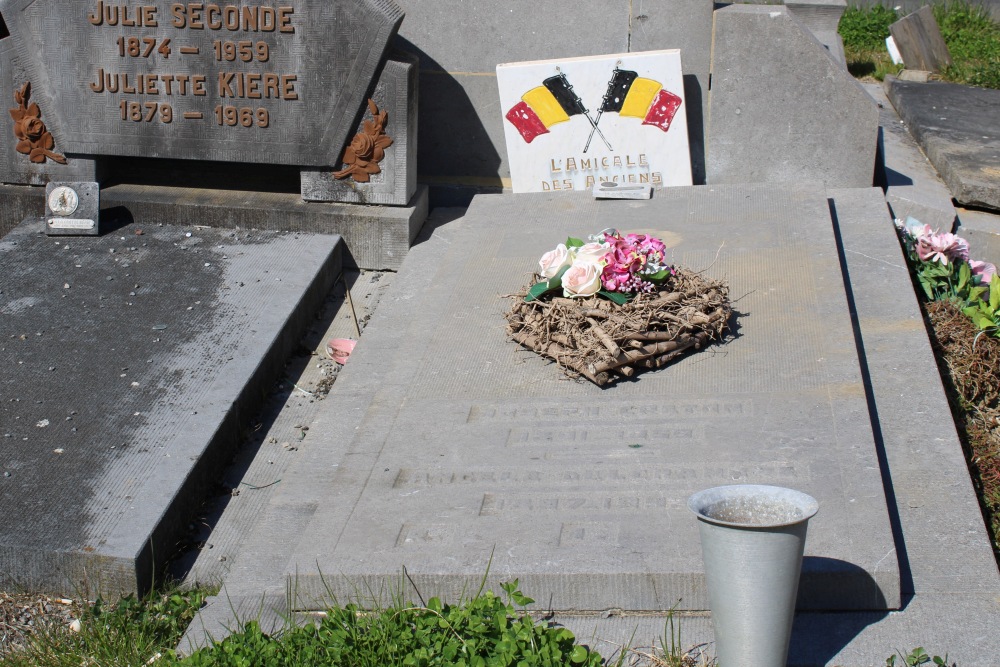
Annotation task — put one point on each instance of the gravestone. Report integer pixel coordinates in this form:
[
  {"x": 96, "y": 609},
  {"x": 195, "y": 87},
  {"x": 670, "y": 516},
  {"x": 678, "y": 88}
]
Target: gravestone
[
  {"x": 239, "y": 94},
  {"x": 919, "y": 41},
  {"x": 781, "y": 108}
]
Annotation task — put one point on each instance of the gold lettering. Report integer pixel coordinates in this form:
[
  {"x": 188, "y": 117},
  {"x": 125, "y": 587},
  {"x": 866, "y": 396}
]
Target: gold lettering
[
  {"x": 213, "y": 23},
  {"x": 179, "y": 20},
  {"x": 554, "y": 168},
  {"x": 195, "y": 10},
  {"x": 642, "y": 160},
  {"x": 97, "y": 18},
  {"x": 98, "y": 86},
  {"x": 570, "y": 164}
]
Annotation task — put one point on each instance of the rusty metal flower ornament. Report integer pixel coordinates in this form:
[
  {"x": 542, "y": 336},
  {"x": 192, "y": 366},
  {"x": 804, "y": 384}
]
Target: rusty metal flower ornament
[
  {"x": 35, "y": 140},
  {"x": 367, "y": 148}
]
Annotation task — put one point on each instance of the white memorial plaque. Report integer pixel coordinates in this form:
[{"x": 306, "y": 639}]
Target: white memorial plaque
[{"x": 573, "y": 123}]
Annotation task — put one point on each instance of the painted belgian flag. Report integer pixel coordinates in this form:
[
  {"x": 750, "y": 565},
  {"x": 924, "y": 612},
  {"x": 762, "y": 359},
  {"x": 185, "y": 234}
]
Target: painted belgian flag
[
  {"x": 637, "y": 97},
  {"x": 544, "y": 106}
]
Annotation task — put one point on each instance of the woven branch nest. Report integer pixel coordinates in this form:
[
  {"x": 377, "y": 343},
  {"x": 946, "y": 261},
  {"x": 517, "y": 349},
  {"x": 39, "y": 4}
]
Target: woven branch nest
[{"x": 603, "y": 341}]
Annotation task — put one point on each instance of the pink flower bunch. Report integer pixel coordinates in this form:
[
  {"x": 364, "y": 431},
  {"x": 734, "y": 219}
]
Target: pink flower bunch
[
  {"x": 631, "y": 261},
  {"x": 931, "y": 246},
  {"x": 985, "y": 271}
]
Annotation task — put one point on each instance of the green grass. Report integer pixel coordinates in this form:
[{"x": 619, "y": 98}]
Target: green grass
[
  {"x": 128, "y": 633},
  {"x": 973, "y": 39}
]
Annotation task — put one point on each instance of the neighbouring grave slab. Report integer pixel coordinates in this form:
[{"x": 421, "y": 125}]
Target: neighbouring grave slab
[
  {"x": 455, "y": 445},
  {"x": 919, "y": 40},
  {"x": 396, "y": 182},
  {"x": 573, "y": 122},
  {"x": 912, "y": 186},
  {"x": 781, "y": 108},
  {"x": 958, "y": 127},
  {"x": 131, "y": 364}
]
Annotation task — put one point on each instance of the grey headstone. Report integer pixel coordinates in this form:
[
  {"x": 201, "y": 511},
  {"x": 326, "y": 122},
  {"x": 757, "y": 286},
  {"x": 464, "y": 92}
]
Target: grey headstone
[
  {"x": 982, "y": 230},
  {"x": 919, "y": 41},
  {"x": 16, "y": 167},
  {"x": 958, "y": 128},
  {"x": 782, "y": 109},
  {"x": 290, "y": 96},
  {"x": 395, "y": 93},
  {"x": 448, "y": 442},
  {"x": 684, "y": 25}
]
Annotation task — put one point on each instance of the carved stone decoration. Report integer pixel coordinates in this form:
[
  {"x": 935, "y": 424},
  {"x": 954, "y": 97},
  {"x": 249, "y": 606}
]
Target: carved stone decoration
[
  {"x": 35, "y": 140},
  {"x": 367, "y": 148}
]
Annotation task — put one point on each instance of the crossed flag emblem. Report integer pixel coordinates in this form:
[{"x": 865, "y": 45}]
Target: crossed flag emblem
[{"x": 628, "y": 95}]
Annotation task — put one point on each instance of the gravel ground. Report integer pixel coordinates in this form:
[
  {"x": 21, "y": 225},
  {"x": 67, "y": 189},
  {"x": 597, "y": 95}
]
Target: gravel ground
[{"x": 21, "y": 614}]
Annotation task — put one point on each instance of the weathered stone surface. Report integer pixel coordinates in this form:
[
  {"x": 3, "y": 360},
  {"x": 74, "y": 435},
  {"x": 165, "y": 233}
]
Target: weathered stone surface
[
  {"x": 958, "y": 128},
  {"x": 912, "y": 185},
  {"x": 446, "y": 440},
  {"x": 822, "y": 17},
  {"x": 461, "y": 126},
  {"x": 16, "y": 167},
  {"x": 283, "y": 87},
  {"x": 781, "y": 108},
  {"x": 396, "y": 93},
  {"x": 684, "y": 25},
  {"x": 377, "y": 237},
  {"x": 121, "y": 400}
]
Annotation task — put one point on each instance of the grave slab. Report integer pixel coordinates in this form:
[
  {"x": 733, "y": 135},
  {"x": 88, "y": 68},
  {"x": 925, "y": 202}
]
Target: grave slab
[
  {"x": 919, "y": 41},
  {"x": 454, "y": 445},
  {"x": 131, "y": 364},
  {"x": 782, "y": 109},
  {"x": 958, "y": 127}
]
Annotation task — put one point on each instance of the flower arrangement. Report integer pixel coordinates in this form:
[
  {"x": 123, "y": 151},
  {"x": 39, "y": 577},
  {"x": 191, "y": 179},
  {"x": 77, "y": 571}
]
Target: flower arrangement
[
  {"x": 606, "y": 308},
  {"x": 942, "y": 266},
  {"x": 611, "y": 265}
]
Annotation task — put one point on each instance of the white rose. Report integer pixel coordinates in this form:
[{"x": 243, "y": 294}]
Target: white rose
[
  {"x": 554, "y": 260},
  {"x": 582, "y": 279},
  {"x": 593, "y": 252}
]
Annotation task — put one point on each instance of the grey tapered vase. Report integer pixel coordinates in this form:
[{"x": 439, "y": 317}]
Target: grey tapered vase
[{"x": 752, "y": 539}]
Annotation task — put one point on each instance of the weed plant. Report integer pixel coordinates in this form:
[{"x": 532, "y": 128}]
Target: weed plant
[
  {"x": 128, "y": 633},
  {"x": 972, "y": 36},
  {"x": 486, "y": 631}
]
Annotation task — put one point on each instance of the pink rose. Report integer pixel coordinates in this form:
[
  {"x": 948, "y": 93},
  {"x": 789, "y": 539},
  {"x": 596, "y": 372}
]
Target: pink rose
[
  {"x": 984, "y": 270},
  {"x": 553, "y": 260},
  {"x": 582, "y": 279},
  {"x": 941, "y": 248},
  {"x": 592, "y": 252}
]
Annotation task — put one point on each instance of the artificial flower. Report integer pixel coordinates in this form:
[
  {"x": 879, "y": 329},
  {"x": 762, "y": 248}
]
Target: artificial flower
[
  {"x": 583, "y": 278},
  {"x": 553, "y": 260}
]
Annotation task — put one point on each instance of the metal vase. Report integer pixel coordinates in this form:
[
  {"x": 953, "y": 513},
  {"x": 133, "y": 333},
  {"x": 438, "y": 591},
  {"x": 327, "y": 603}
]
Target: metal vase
[{"x": 752, "y": 538}]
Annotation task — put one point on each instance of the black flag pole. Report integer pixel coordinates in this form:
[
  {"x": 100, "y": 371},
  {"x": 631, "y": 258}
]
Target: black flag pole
[
  {"x": 571, "y": 103},
  {"x": 614, "y": 98}
]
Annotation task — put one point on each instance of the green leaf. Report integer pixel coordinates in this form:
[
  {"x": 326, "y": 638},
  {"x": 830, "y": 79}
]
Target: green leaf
[
  {"x": 574, "y": 243},
  {"x": 995, "y": 293},
  {"x": 964, "y": 275},
  {"x": 536, "y": 290},
  {"x": 658, "y": 276},
  {"x": 617, "y": 297},
  {"x": 578, "y": 655}
]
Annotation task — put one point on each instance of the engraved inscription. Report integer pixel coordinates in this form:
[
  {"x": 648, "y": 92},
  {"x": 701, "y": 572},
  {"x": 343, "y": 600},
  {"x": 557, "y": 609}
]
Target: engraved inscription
[
  {"x": 422, "y": 534},
  {"x": 718, "y": 472},
  {"x": 173, "y": 41},
  {"x": 589, "y": 533},
  {"x": 618, "y": 503},
  {"x": 694, "y": 409},
  {"x": 565, "y": 436}
]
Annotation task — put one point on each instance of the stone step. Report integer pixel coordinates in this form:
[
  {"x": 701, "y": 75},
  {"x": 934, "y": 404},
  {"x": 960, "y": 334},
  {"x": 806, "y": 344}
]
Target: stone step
[{"x": 132, "y": 364}]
